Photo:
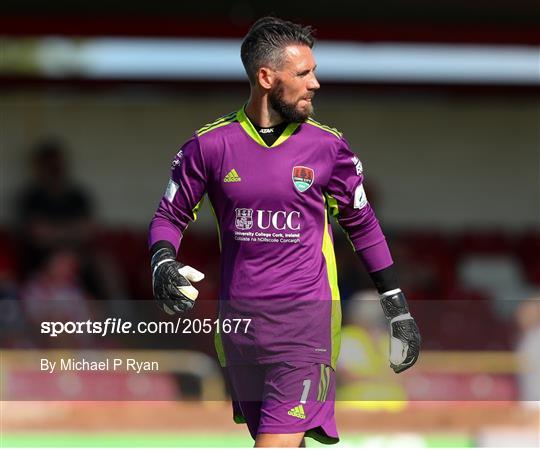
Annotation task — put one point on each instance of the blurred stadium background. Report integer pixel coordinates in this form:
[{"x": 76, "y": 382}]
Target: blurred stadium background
[{"x": 440, "y": 100}]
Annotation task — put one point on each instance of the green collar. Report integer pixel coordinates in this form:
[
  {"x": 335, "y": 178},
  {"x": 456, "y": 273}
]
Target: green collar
[{"x": 252, "y": 132}]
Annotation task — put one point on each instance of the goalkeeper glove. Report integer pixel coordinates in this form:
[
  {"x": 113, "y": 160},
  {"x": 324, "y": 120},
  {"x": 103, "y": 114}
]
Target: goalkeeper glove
[
  {"x": 171, "y": 282},
  {"x": 405, "y": 338}
]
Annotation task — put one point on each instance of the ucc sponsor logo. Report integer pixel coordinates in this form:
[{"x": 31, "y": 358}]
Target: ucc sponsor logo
[{"x": 278, "y": 220}]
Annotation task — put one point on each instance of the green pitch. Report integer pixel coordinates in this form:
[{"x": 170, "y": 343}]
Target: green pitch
[{"x": 164, "y": 440}]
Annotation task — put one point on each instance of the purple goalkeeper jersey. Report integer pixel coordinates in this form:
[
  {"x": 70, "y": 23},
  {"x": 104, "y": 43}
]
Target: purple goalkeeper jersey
[{"x": 272, "y": 205}]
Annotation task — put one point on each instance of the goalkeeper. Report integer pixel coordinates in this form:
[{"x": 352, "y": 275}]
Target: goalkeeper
[{"x": 273, "y": 176}]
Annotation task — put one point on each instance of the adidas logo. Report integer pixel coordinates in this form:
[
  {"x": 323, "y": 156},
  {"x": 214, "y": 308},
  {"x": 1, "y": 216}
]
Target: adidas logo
[
  {"x": 297, "y": 411},
  {"x": 232, "y": 177}
]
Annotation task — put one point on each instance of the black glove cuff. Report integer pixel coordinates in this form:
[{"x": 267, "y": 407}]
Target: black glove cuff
[
  {"x": 162, "y": 250},
  {"x": 385, "y": 279},
  {"x": 394, "y": 304}
]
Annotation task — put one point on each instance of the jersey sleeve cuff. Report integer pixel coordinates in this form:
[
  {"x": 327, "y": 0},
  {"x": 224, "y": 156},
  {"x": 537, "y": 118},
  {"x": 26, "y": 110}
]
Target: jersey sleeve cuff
[
  {"x": 164, "y": 232},
  {"x": 376, "y": 257}
]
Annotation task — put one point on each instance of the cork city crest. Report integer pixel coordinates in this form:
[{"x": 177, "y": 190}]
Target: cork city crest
[{"x": 302, "y": 177}]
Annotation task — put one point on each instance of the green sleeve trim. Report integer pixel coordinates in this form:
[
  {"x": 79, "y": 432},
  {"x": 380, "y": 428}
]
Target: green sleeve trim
[
  {"x": 222, "y": 121},
  {"x": 331, "y": 130}
]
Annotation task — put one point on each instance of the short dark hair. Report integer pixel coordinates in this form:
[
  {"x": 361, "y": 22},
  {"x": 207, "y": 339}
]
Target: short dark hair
[{"x": 266, "y": 41}]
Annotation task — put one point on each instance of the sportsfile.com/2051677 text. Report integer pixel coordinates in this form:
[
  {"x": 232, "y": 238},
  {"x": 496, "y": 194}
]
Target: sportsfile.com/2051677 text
[{"x": 113, "y": 325}]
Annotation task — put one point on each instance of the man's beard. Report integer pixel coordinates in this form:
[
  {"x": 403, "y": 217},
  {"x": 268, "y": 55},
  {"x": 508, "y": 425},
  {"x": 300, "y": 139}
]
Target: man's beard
[{"x": 288, "y": 111}]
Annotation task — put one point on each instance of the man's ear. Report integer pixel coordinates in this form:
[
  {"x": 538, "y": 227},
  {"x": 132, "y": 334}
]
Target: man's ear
[{"x": 266, "y": 77}]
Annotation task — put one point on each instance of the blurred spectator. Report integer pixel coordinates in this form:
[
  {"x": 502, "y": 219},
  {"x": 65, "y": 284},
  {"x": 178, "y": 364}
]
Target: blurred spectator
[
  {"x": 55, "y": 293},
  {"x": 528, "y": 318},
  {"x": 56, "y": 282},
  {"x": 54, "y": 213}
]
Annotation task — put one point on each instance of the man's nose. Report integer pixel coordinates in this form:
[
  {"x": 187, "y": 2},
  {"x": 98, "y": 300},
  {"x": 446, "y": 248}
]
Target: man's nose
[{"x": 313, "y": 83}]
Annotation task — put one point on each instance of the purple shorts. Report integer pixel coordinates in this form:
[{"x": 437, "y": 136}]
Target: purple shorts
[{"x": 282, "y": 398}]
